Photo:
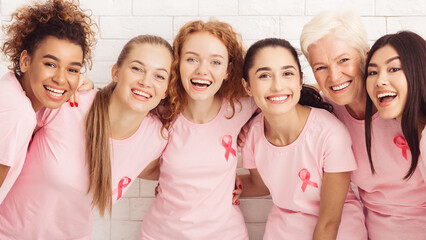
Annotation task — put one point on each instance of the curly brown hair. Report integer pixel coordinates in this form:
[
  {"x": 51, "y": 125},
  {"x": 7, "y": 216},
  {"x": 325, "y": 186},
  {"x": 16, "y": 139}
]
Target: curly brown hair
[
  {"x": 31, "y": 24},
  {"x": 232, "y": 90}
]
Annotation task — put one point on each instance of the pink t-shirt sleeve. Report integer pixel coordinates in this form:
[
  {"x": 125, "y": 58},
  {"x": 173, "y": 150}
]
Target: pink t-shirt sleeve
[
  {"x": 338, "y": 155},
  {"x": 247, "y": 151},
  {"x": 16, "y": 128},
  {"x": 422, "y": 159}
]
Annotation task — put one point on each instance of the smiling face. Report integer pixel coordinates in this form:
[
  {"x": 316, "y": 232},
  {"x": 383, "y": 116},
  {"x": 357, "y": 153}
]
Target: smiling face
[
  {"x": 337, "y": 69},
  {"x": 51, "y": 73},
  {"x": 143, "y": 77},
  {"x": 274, "y": 80},
  {"x": 203, "y": 65},
  {"x": 386, "y": 83}
]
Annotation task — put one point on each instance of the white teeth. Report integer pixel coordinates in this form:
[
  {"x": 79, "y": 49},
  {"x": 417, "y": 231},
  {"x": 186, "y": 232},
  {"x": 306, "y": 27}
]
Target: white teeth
[
  {"x": 201, "y": 81},
  {"x": 341, "y": 86},
  {"x": 278, "y": 98},
  {"x": 141, "y": 93},
  {"x": 54, "y": 90},
  {"x": 386, "y": 94}
]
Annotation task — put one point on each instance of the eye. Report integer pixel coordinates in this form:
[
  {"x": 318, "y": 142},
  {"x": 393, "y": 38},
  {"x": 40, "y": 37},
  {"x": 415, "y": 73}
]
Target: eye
[
  {"x": 264, "y": 75},
  {"x": 136, "y": 69},
  {"x": 191, "y": 59},
  {"x": 74, "y": 70},
  {"x": 161, "y": 77},
  {"x": 370, "y": 73},
  {"x": 343, "y": 60},
  {"x": 320, "y": 68},
  {"x": 394, "y": 69},
  {"x": 288, "y": 74},
  {"x": 216, "y": 62},
  {"x": 49, "y": 64}
]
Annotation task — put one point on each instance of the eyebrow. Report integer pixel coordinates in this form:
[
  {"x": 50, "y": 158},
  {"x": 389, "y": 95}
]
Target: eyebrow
[
  {"x": 58, "y": 60},
  {"x": 386, "y": 62},
  {"x": 269, "y": 69},
  {"x": 194, "y": 53},
  {"x": 141, "y": 63}
]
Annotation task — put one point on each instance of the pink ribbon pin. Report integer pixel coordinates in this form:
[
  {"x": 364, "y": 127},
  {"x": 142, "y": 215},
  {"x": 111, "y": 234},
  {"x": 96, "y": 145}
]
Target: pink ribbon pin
[
  {"x": 401, "y": 143},
  {"x": 124, "y": 182},
  {"x": 305, "y": 176},
  {"x": 227, "y": 143}
]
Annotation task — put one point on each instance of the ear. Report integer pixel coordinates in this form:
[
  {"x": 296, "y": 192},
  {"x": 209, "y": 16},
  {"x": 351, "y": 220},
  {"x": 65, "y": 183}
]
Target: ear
[
  {"x": 366, "y": 53},
  {"x": 246, "y": 86},
  {"x": 24, "y": 61},
  {"x": 114, "y": 73}
]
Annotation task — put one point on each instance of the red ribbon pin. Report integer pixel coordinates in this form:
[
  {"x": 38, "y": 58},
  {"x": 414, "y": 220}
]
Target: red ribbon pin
[
  {"x": 305, "y": 176},
  {"x": 124, "y": 182},
  {"x": 227, "y": 143},
  {"x": 401, "y": 143}
]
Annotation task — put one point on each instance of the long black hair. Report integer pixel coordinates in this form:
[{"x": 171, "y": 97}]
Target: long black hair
[
  {"x": 411, "y": 49},
  {"x": 309, "y": 96}
]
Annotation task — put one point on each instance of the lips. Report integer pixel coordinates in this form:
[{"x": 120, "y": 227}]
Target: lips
[
  {"x": 385, "y": 97},
  {"x": 340, "y": 87},
  {"x": 142, "y": 95},
  {"x": 278, "y": 98},
  {"x": 201, "y": 83},
  {"x": 54, "y": 93}
]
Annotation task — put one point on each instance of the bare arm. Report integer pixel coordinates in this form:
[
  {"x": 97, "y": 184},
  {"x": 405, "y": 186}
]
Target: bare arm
[
  {"x": 253, "y": 184},
  {"x": 333, "y": 194},
  {"x": 3, "y": 173},
  {"x": 152, "y": 171}
]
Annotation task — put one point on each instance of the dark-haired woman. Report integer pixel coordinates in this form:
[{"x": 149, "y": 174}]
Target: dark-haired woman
[
  {"x": 297, "y": 151},
  {"x": 47, "y": 44}
]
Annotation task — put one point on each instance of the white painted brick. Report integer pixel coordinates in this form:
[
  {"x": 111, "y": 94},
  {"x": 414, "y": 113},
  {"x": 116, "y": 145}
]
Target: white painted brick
[
  {"x": 415, "y": 24},
  {"x": 121, "y": 209},
  {"x": 101, "y": 228},
  {"x": 291, "y": 27},
  {"x": 108, "y": 50},
  {"x": 362, "y": 7},
  {"x": 400, "y": 8},
  {"x": 125, "y": 230},
  {"x": 8, "y": 7},
  {"x": 147, "y": 188},
  {"x": 375, "y": 27},
  {"x": 108, "y": 7},
  {"x": 254, "y": 27},
  {"x": 133, "y": 190},
  {"x": 271, "y": 7},
  {"x": 165, "y": 7},
  {"x": 139, "y": 207},
  {"x": 128, "y": 27},
  {"x": 217, "y": 7},
  {"x": 255, "y": 230},
  {"x": 100, "y": 73},
  {"x": 255, "y": 209}
]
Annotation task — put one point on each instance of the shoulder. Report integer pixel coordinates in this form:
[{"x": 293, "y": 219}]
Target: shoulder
[{"x": 12, "y": 96}]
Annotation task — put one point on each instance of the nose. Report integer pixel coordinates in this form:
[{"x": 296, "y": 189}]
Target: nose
[
  {"x": 277, "y": 84},
  {"x": 202, "y": 68},
  {"x": 59, "y": 77},
  {"x": 381, "y": 79},
  {"x": 145, "y": 80},
  {"x": 335, "y": 73}
]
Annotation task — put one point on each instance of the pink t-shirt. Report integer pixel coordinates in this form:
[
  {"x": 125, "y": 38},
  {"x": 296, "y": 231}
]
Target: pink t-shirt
[
  {"x": 293, "y": 175},
  {"x": 395, "y": 208},
  {"x": 49, "y": 199},
  {"x": 197, "y": 179},
  {"x": 422, "y": 160},
  {"x": 18, "y": 121}
]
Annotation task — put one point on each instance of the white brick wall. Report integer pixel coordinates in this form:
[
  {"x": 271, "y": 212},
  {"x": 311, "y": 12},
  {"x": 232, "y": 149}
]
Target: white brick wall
[{"x": 120, "y": 20}]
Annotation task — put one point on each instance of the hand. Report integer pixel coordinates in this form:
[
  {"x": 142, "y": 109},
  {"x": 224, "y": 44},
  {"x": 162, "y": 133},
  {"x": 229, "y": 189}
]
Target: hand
[
  {"x": 237, "y": 191},
  {"x": 242, "y": 135},
  {"x": 84, "y": 84}
]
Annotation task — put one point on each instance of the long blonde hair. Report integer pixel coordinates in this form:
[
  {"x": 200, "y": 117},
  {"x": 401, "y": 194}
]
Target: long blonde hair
[{"x": 98, "y": 132}]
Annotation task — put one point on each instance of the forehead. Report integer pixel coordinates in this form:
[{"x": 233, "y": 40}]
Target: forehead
[
  {"x": 274, "y": 56},
  {"x": 384, "y": 53},
  {"x": 151, "y": 55},
  {"x": 204, "y": 43},
  {"x": 61, "y": 48},
  {"x": 330, "y": 47}
]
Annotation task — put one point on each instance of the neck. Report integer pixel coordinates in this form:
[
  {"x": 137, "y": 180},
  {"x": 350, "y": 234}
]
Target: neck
[
  {"x": 202, "y": 111},
  {"x": 25, "y": 83},
  {"x": 124, "y": 122},
  {"x": 357, "y": 108},
  {"x": 282, "y": 130}
]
